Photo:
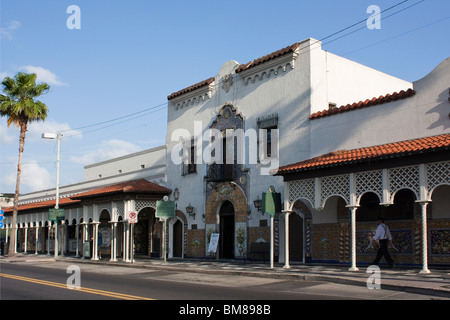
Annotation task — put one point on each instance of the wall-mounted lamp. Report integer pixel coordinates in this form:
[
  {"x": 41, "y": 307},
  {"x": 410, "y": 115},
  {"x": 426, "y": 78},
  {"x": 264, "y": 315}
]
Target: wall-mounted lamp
[
  {"x": 190, "y": 210},
  {"x": 176, "y": 194},
  {"x": 258, "y": 203}
]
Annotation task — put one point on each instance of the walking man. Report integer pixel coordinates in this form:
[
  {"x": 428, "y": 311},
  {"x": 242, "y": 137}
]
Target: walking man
[{"x": 383, "y": 235}]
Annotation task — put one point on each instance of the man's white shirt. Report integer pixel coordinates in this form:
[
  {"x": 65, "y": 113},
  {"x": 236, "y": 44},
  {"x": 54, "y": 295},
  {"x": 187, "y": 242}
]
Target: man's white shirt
[{"x": 383, "y": 232}]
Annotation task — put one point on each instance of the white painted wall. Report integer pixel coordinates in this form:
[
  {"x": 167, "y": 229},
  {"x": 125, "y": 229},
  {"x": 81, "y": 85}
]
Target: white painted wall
[
  {"x": 146, "y": 159},
  {"x": 424, "y": 114},
  {"x": 316, "y": 78},
  {"x": 350, "y": 82}
]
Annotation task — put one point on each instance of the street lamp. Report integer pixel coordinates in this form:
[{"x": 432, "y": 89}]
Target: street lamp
[{"x": 55, "y": 136}]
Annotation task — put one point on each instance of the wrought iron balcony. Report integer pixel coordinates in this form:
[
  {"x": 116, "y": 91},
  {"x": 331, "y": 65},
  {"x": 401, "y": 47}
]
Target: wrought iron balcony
[{"x": 221, "y": 172}]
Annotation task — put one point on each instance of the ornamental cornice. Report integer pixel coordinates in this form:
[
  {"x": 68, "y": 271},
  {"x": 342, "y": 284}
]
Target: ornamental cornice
[
  {"x": 269, "y": 68},
  {"x": 193, "y": 98}
]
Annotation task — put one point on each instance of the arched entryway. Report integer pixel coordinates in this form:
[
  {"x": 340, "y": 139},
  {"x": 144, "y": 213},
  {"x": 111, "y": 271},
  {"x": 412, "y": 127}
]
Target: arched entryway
[
  {"x": 226, "y": 230},
  {"x": 147, "y": 234},
  {"x": 104, "y": 235},
  {"x": 178, "y": 239},
  {"x": 295, "y": 237}
]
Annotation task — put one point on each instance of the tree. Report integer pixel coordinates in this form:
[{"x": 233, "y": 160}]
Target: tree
[{"x": 20, "y": 106}]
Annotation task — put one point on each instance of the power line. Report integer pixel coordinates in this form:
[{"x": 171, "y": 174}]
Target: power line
[
  {"x": 140, "y": 114},
  {"x": 382, "y": 18},
  {"x": 363, "y": 20},
  {"x": 217, "y": 84},
  {"x": 398, "y": 35},
  {"x": 116, "y": 119}
]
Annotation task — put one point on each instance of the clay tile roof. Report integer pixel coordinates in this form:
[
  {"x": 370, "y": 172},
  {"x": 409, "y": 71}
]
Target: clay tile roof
[
  {"x": 390, "y": 150},
  {"x": 191, "y": 88},
  {"x": 137, "y": 186},
  {"x": 271, "y": 56},
  {"x": 362, "y": 104},
  {"x": 241, "y": 68},
  {"x": 43, "y": 204}
]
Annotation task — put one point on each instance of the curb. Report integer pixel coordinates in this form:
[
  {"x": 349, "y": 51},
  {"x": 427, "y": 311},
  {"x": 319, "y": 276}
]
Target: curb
[
  {"x": 444, "y": 293},
  {"x": 265, "y": 273}
]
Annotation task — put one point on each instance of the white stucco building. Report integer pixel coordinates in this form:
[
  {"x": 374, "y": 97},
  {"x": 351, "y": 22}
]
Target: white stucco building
[{"x": 289, "y": 101}]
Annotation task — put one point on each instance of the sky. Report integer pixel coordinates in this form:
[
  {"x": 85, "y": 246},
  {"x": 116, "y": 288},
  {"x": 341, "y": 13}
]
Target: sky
[{"x": 112, "y": 64}]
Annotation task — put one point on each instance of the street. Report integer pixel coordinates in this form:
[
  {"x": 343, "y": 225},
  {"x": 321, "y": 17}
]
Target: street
[{"x": 57, "y": 281}]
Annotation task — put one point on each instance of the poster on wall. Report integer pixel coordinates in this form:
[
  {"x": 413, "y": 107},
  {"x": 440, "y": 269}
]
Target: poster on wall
[
  {"x": 104, "y": 237},
  {"x": 213, "y": 243}
]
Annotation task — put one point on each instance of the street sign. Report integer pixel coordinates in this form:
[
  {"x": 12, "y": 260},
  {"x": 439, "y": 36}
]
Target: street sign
[
  {"x": 132, "y": 217},
  {"x": 1, "y": 219},
  {"x": 271, "y": 203},
  {"x": 56, "y": 214},
  {"x": 165, "y": 209}
]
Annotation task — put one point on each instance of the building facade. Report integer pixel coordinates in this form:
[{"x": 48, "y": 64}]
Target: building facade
[{"x": 228, "y": 135}]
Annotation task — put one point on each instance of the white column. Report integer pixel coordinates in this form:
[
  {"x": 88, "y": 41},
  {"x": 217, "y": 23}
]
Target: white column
[
  {"x": 271, "y": 242},
  {"x": 77, "y": 253},
  {"x": 353, "y": 236},
  {"x": 6, "y": 240},
  {"x": 83, "y": 236},
  {"x": 286, "y": 237},
  {"x": 15, "y": 238},
  {"x": 127, "y": 242},
  {"x": 26, "y": 239},
  {"x": 37, "y": 239},
  {"x": 95, "y": 241},
  {"x": 56, "y": 239},
  {"x": 113, "y": 244},
  {"x": 49, "y": 229},
  {"x": 63, "y": 237},
  {"x": 424, "y": 204}
]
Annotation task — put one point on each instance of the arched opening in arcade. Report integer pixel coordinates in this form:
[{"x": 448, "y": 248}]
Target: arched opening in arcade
[
  {"x": 104, "y": 235},
  {"x": 147, "y": 234}
]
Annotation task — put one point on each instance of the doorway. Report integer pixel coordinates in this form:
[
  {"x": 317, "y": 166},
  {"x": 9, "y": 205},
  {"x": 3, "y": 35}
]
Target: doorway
[
  {"x": 226, "y": 224},
  {"x": 178, "y": 239},
  {"x": 295, "y": 237}
]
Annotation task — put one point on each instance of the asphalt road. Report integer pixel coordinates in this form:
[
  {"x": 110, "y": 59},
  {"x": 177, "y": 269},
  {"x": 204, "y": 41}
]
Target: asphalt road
[{"x": 187, "y": 292}]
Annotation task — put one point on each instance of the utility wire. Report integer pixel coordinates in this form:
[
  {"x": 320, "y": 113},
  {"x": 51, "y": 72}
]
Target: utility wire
[
  {"x": 116, "y": 119},
  {"x": 217, "y": 84}
]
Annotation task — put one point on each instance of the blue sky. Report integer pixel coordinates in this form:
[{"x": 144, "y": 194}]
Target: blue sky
[{"x": 129, "y": 56}]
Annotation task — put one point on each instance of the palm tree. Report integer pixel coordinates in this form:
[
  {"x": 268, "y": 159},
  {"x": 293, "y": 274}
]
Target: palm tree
[{"x": 21, "y": 107}]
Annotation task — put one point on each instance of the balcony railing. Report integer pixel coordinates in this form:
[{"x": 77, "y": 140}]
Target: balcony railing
[{"x": 221, "y": 172}]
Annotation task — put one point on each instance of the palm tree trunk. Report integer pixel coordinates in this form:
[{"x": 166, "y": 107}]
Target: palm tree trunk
[{"x": 13, "y": 240}]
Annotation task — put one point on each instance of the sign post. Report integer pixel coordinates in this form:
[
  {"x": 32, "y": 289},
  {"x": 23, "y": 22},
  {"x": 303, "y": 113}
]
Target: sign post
[
  {"x": 56, "y": 215},
  {"x": 271, "y": 204},
  {"x": 165, "y": 209},
  {"x": 132, "y": 219}
]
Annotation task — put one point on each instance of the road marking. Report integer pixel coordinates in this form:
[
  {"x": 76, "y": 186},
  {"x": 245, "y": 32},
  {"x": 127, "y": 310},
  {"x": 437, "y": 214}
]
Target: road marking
[{"x": 64, "y": 286}]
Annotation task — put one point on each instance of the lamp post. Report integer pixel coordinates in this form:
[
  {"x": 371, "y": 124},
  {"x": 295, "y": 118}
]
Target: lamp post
[{"x": 55, "y": 136}]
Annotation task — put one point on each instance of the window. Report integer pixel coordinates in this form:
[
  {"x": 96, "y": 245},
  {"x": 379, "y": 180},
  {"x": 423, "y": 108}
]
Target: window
[
  {"x": 189, "y": 166},
  {"x": 269, "y": 140},
  {"x": 268, "y": 124}
]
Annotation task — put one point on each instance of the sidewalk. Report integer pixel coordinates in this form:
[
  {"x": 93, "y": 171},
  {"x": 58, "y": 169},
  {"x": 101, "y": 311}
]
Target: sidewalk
[{"x": 407, "y": 279}]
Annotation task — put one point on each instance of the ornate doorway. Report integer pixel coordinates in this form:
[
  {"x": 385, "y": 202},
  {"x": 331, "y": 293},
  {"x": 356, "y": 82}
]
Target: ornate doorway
[{"x": 226, "y": 224}]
